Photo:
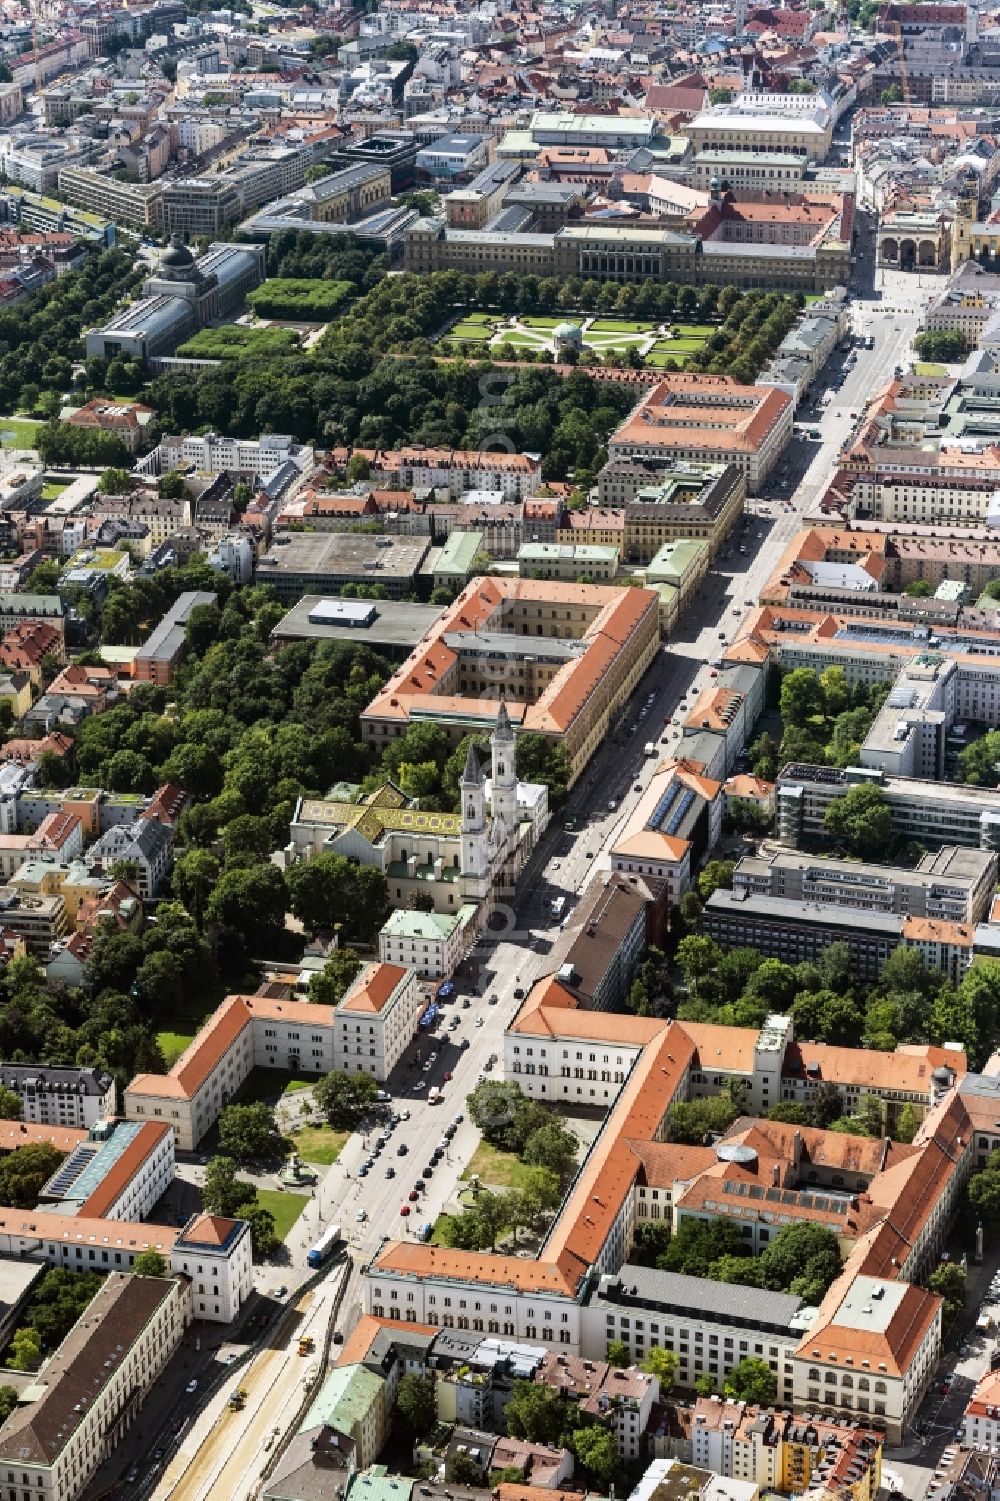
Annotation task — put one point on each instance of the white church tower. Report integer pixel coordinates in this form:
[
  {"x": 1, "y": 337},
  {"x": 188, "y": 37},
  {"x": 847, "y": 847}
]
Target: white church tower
[
  {"x": 475, "y": 852},
  {"x": 503, "y": 793}
]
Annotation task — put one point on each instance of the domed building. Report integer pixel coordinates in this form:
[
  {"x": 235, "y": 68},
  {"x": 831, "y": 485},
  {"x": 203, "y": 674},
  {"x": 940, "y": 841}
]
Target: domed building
[
  {"x": 176, "y": 259},
  {"x": 182, "y": 295},
  {"x": 567, "y": 336}
]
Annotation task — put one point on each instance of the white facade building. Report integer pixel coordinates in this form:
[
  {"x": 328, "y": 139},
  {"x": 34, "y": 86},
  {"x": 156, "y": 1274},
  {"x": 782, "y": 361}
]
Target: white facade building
[
  {"x": 215, "y": 1253},
  {"x": 430, "y": 943},
  {"x": 76, "y": 1097},
  {"x": 210, "y": 454}
]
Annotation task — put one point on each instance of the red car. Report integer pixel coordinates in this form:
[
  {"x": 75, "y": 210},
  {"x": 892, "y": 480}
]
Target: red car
[
  {"x": 448, "y": 1074},
  {"x": 404, "y": 1209},
  {"x": 413, "y": 1196}
]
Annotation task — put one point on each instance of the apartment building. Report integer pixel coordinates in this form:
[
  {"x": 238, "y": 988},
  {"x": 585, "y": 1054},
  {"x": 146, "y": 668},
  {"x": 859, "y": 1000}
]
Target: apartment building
[
  {"x": 701, "y": 1322},
  {"x": 708, "y": 419},
  {"x": 563, "y": 658},
  {"x": 780, "y": 1452},
  {"x": 16, "y": 608},
  {"x": 981, "y": 1422},
  {"x": 71, "y": 1097},
  {"x": 353, "y": 1406},
  {"x": 40, "y": 921},
  {"x": 623, "y": 1398},
  {"x": 94, "y": 1386},
  {"x": 146, "y": 845}
]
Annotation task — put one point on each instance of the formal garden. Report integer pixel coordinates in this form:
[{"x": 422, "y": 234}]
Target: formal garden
[{"x": 583, "y": 337}]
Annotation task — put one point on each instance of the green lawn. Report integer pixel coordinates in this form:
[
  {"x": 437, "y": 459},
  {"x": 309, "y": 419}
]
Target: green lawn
[
  {"x": 318, "y": 1144},
  {"x": 286, "y": 1208},
  {"x": 922, "y": 367},
  {"x": 269, "y": 1084},
  {"x": 529, "y": 341},
  {"x": 543, "y": 323},
  {"x": 437, "y": 1239},
  {"x": 497, "y": 1169},
  {"x": 615, "y": 341},
  {"x": 172, "y": 1045},
  {"x": 693, "y": 330},
  {"x": 621, "y": 326},
  {"x": 18, "y": 432},
  {"x": 55, "y": 488},
  {"x": 664, "y": 361},
  {"x": 478, "y": 318},
  {"x": 473, "y": 332},
  {"x": 678, "y": 346}
]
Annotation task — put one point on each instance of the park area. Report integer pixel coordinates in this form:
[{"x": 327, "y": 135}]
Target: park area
[
  {"x": 663, "y": 344},
  {"x": 234, "y": 341}
]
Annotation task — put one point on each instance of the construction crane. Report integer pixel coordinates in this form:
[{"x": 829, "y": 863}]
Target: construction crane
[{"x": 904, "y": 77}]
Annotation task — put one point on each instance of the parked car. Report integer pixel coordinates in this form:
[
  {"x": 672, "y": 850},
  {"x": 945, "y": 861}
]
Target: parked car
[{"x": 191, "y": 1387}]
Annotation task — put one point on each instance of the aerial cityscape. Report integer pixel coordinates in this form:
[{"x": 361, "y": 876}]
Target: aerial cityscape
[{"x": 499, "y": 750}]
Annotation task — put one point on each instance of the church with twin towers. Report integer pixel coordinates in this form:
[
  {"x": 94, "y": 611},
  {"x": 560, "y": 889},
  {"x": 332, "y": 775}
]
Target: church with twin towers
[{"x": 453, "y": 860}]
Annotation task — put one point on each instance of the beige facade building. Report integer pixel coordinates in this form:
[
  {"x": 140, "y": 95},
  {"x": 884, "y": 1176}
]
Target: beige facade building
[
  {"x": 134, "y": 203},
  {"x": 562, "y": 657},
  {"x": 93, "y": 1387},
  {"x": 873, "y": 1349},
  {"x": 193, "y": 206},
  {"x": 786, "y": 124},
  {"x": 707, "y": 419}
]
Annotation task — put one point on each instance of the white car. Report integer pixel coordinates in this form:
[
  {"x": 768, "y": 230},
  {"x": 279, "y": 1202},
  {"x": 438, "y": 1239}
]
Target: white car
[
  {"x": 479, "y": 1021},
  {"x": 191, "y": 1388},
  {"x": 419, "y": 1086},
  {"x": 361, "y": 1216}
]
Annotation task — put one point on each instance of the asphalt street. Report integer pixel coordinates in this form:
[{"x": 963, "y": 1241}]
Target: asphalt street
[{"x": 373, "y": 1205}]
